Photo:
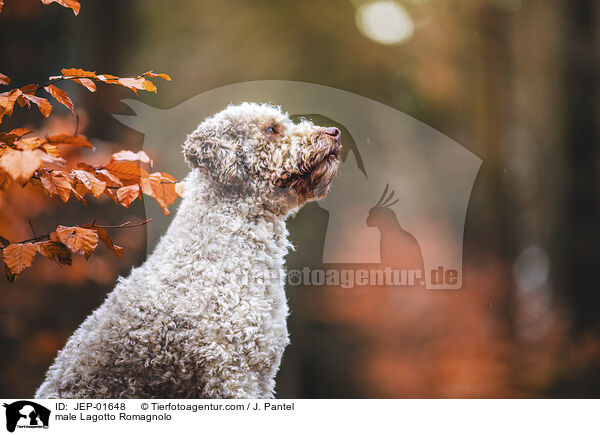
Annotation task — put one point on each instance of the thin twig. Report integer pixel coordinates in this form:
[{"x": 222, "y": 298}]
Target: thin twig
[
  {"x": 127, "y": 224},
  {"x": 31, "y": 226}
]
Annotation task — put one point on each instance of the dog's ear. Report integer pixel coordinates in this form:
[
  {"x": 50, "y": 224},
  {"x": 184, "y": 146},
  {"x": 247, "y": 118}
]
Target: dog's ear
[{"x": 214, "y": 155}]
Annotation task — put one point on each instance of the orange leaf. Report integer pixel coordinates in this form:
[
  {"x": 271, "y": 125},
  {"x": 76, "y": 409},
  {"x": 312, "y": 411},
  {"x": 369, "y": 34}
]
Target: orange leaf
[
  {"x": 90, "y": 182},
  {"x": 4, "y": 79},
  {"x": 67, "y": 139},
  {"x": 51, "y": 150},
  {"x": 72, "y": 4},
  {"x": 7, "y": 102},
  {"x": 128, "y": 194},
  {"x": 10, "y": 137},
  {"x": 55, "y": 251},
  {"x": 56, "y": 184},
  {"x": 79, "y": 240},
  {"x": 20, "y": 165},
  {"x": 75, "y": 72},
  {"x": 161, "y": 187},
  {"x": 130, "y": 156},
  {"x": 162, "y": 76},
  {"x": 18, "y": 257},
  {"x": 135, "y": 83},
  {"x": 43, "y": 105},
  {"x": 61, "y": 96},
  {"x": 29, "y": 143},
  {"x": 126, "y": 170},
  {"x": 89, "y": 84},
  {"x": 108, "y": 192},
  {"x": 118, "y": 251},
  {"x": 110, "y": 179}
]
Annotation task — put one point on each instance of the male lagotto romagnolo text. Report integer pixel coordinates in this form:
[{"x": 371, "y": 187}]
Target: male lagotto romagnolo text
[{"x": 205, "y": 315}]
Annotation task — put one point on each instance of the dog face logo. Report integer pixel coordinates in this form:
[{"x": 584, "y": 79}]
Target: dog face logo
[{"x": 26, "y": 414}]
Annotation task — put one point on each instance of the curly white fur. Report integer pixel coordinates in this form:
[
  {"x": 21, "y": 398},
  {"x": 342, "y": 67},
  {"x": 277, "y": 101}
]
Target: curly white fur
[{"x": 205, "y": 315}]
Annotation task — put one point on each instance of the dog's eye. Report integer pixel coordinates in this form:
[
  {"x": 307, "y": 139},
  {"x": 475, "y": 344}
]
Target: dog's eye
[{"x": 271, "y": 130}]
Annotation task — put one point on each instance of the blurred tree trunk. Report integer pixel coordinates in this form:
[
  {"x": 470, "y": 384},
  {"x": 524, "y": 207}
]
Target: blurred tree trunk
[{"x": 580, "y": 230}]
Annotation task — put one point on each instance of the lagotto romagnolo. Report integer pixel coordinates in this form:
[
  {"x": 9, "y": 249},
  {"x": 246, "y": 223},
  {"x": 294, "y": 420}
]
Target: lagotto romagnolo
[{"x": 204, "y": 316}]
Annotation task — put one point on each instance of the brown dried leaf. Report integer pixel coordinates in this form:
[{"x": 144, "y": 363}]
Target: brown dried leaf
[
  {"x": 75, "y": 72},
  {"x": 20, "y": 165},
  {"x": 29, "y": 143},
  {"x": 128, "y": 194},
  {"x": 43, "y": 105},
  {"x": 67, "y": 139},
  {"x": 4, "y": 79},
  {"x": 79, "y": 240},
  {"x": 126, "y": 171},
  {"x": 130, "y": 156},
  {"x": 18, "y": 257},
  {"x": 117, "y": 250},
  {"x": 7, "y": 102},
  {"x": 61, "y": 96},
  {"x": 55, "y": 251},
  {"x": 90, "y": 181},
  {"x": 110, "y": 179},
  {"x": 161, "y": 187},
  {"x": 152, "y": 74},
  {"x": 72, "y": 4},
  {"x": 89, "y": 84},
  {"x": 56, "y": 184}
]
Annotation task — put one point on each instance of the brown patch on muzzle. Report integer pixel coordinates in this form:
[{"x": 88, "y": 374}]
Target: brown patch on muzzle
[{"x": 316, "y": 171}]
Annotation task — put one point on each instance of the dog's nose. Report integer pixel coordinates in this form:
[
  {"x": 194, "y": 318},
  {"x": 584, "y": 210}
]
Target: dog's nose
[{"x": 333, "y": 132}]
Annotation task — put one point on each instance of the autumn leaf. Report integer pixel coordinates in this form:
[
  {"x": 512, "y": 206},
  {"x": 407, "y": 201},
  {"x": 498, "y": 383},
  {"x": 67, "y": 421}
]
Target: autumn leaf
[
  {"x": 55, "y": 251},
  {"x": 61, "y": 96},
  {"x": 17, "y": 258},
  {"x": 56, "y": 184},
  {"x": 4, "y": 79},
  {"x": 10, "y": 137},
  {"x": 7, "y": 102},
  {"x": 161, "y": 187},
  {"x": 51, "y": 150},
  {"x": 20, "y": 165},
  {"x": 67, "y": 139},
  {"x": 90, "y": 181},
  {"x": 130, "y": 156},
  {"x": 79, "y": 240},
  {"x": 103, "y": 235},
  {"x": 43, "y": 105},
  {"x": 135, "y": 83},
  {"x": 29, "y": 143},
  {"x": 110, "y": 179},
  {"x": 89, "y": 84},
  {"x": 72, "y": 4},
  {"x": 126, "y": 171},
  {"x": 128, "y": 194},
  {"x": 75, "y": 72},
  {"x": 152, "y": 74}
]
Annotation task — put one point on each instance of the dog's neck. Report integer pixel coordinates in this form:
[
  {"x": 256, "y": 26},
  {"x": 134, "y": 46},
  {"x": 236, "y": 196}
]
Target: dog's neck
[{"x": 205, "y": 219}]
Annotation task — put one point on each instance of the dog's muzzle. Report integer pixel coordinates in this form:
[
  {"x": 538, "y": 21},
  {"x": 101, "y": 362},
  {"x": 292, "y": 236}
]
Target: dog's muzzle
[{"x": 318, "y": 167}]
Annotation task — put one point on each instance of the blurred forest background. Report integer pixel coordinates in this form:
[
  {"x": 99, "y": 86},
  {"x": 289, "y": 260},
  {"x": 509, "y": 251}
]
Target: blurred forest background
[{"x": 514, "y": 81}]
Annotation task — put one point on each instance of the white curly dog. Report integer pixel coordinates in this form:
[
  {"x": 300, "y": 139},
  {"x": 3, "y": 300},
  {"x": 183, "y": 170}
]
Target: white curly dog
[{"x": 205, "y": 315}]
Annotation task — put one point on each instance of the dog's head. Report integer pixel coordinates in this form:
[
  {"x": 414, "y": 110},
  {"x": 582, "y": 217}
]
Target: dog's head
[{"x": 256, "y": 151}]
